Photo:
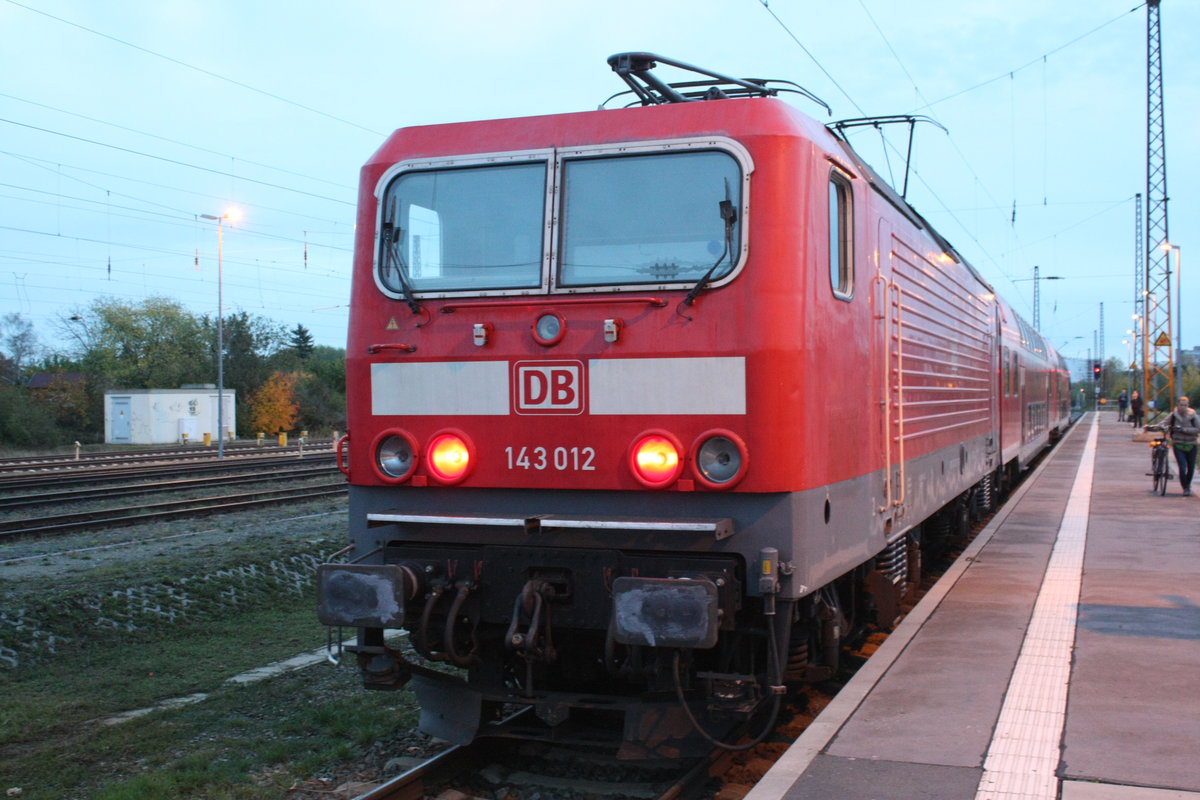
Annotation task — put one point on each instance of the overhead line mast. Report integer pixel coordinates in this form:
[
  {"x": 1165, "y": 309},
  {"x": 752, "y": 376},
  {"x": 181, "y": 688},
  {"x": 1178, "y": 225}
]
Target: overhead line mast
[
  {"x": 1158, "y": 351},
  {"x": 1139, "y": 293}
]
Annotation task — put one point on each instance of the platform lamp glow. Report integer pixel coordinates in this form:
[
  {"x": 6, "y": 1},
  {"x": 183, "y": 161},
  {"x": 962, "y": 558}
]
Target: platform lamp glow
[{"x": 233, "y": 215}]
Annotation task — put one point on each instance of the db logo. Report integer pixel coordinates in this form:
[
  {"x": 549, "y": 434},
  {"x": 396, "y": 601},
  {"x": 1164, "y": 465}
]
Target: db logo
[{"x": 548, "y": 387}]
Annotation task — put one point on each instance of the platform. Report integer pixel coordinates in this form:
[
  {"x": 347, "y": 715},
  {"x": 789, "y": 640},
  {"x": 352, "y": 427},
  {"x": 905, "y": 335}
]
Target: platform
[{"x": 1058, "y": 657}]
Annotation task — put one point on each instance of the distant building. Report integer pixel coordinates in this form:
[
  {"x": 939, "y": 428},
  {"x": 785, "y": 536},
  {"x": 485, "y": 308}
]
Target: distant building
[{"x": 164, "y": 416}]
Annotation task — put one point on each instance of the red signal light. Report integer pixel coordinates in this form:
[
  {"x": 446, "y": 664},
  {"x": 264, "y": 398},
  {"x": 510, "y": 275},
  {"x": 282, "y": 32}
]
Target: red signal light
[
  {"x": 655, "y": 460},
  {"x": 449, "y": 458}
]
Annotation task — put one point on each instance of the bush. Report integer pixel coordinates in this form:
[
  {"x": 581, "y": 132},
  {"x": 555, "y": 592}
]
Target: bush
[{"x": 25, "y": 424}]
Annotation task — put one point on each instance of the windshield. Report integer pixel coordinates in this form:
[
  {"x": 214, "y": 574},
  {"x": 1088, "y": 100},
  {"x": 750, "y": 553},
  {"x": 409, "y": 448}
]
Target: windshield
[
  {"x": 647, "y": 219},
  {"x": 666, "y": 217},
  {"x": 464, "y": 229}
]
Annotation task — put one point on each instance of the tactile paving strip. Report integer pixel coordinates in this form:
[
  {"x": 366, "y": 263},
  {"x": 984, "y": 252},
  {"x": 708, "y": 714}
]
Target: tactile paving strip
[{"x": 1022, "y": 761}]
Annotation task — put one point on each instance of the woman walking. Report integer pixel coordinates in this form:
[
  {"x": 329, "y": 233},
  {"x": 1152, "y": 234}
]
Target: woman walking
[{"x": 1136, "y": 409}]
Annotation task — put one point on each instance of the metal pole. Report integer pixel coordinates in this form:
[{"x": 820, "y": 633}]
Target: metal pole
[
  {"x": 220, "y": 341},
  {"x": 220, "y": 330},
  {"x": 1178, "y": 326},
  {"x": 1159, "y": 361},
  {"x": 1037, "y": 301}
]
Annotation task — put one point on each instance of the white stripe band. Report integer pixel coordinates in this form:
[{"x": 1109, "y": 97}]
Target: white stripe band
[
  {"x": 614, "y": 386},
  {"x": 667, "y": 385},
  {"x": 454, "y": 388}
]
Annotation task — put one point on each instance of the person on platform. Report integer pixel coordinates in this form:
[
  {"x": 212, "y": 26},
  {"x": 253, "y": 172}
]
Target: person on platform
[
  {"x": 1136, "y": 409},
  {"x": 1184, "y": 426},
  {"x": 1122, "y": 404}
]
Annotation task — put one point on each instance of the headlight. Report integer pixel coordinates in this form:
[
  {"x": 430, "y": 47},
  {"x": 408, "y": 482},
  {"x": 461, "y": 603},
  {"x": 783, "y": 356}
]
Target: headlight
[
  {"x": 549, "y": 329},
  {"x": 396, "y": 455},
  {"x": 719, "y": 459}
]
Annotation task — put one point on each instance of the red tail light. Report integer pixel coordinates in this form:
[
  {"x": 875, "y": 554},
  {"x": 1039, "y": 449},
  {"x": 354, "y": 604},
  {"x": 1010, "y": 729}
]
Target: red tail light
[
  {"x": 655, "y": 460},
  {"x": 448, "y": 458}
]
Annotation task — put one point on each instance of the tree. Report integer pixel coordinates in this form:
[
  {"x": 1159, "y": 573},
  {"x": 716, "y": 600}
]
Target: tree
[
  {"x": 18, "y": 347},
  {"x": 23, "y": 424},
  {"x": 67, "y": 402},
  {"x": 321, "y": 391},
  {"x": 273, "y": 407},
  {"x": 301, "y": 341},
  {"x": 154, "y": 344},
  {"x": 157, "y": 344},
  {"x": 251, "y": 344}
]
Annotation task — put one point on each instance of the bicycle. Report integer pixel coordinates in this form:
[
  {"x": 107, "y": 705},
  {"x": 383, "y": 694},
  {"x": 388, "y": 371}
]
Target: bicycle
[{"x": 1160, "y": 464}]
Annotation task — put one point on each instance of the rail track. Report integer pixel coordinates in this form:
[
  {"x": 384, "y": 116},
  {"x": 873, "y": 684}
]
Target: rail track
[
  {"x": 127, "y": 456},
  {"x": 122, "y": 474},
  {"x": 506, "y": 768},
  {"x": 305, "y": 469},
  {"x": 69, "y": 523}
]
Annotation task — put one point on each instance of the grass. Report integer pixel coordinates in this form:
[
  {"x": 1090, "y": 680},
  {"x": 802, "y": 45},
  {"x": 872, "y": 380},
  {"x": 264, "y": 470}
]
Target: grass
[{"x": 242, "y": 742}]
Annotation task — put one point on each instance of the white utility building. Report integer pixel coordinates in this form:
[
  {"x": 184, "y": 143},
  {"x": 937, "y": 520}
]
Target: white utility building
[{"x": 166, "y": 416}]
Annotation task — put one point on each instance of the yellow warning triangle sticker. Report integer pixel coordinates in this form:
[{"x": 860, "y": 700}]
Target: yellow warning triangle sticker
[
  {"x": 392, "y": 325},
  {"x": 1163, "y": 340}
]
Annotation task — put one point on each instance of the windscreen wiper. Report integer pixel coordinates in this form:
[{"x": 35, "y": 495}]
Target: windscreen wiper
[
  {"x": 392, "y": 260},
  {"x": 729, "y": 215}
]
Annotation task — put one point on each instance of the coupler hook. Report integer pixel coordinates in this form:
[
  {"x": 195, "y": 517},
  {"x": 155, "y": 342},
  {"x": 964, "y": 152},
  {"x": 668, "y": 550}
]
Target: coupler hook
[{"x": 530, "y": 605}]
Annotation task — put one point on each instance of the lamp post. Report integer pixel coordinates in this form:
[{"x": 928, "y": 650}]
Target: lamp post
[
  {"x": 1138, "y": 353},
  {"x": 1129, "y": 354},
  {"x": 220, "y": 330},
  {"x": 1178, "y": 372}
]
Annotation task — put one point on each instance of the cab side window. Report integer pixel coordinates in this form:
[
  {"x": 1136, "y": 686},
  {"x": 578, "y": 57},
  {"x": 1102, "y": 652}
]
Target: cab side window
[{"x": 841, "y": 238}]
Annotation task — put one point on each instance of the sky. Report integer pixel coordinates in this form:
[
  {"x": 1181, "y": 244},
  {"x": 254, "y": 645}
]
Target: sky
[{"x": 122, "y": 123}]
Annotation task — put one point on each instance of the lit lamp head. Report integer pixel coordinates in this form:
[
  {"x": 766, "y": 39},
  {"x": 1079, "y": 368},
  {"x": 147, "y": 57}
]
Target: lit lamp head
[{"x": 233, "y": 214}]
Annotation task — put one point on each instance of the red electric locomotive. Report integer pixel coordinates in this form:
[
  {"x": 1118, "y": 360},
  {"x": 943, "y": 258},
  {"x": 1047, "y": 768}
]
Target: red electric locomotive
[{"x": 649, "y": 408}]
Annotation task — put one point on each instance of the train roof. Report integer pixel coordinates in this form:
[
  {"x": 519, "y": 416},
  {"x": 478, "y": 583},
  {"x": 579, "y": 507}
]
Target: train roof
[{"x": 716, "y": 105}]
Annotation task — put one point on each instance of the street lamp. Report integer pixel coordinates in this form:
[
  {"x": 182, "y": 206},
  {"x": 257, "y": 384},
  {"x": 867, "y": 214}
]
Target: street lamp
[
  {"x": 1139, "y": 353},
  {"x": 1178, "y": 376},
  {"x": 230, "y": 215},
  {"x": 1129, "y": 353}
]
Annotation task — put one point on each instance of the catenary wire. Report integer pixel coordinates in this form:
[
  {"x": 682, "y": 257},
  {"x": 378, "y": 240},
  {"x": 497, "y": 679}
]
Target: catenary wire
[
  {"x": 176, "y": 162},
  {"x": 178, "y": 142},
  {"x": 201, "y": 70}
]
